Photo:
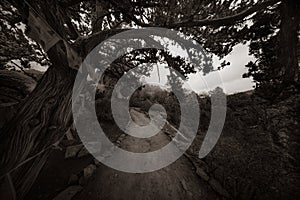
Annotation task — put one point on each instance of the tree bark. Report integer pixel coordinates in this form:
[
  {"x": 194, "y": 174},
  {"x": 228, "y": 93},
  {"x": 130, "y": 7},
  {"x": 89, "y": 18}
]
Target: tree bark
[
  {"x": 288, "y": 60},
  {"x": 42, "y": 119}
]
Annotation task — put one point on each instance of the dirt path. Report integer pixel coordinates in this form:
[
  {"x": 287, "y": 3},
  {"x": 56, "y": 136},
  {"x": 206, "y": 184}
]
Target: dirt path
[{"x": 177, "y": 181}]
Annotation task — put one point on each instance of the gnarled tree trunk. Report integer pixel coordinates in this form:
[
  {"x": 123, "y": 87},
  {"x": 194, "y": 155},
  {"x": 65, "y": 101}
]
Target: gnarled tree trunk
[{"x": 42, "y": 119}]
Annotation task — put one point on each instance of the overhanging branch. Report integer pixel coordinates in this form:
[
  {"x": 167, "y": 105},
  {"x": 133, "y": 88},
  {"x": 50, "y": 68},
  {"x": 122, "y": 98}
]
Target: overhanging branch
[
  {"x": 86, "y": 44},
  {"x": 68, "y": 3},
  {"x": 229, "y": 20}
]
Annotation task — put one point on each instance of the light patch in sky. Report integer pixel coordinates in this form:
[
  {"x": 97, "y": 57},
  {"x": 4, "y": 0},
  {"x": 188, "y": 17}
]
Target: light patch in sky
[{"x": 232, "y": 81}]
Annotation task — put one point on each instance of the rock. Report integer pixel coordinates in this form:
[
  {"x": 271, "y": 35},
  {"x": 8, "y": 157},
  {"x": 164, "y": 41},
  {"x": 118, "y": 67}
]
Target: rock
[
  {"x": 97, "y": 162},
  {"x": 72, "y": 151},
  {"x": 118, "y": 141},
  {"x": 201, "y": 164},
  {"x": 217, "y": 187},
  {"x": 89, "y": 170},
  {"x": 69, "y": 134},
  {"x": 73, "y": 180},
  {"x": 183, "y": 183},
  {"x": 202, "y": 174},
  {"x": 68, "y": 193},
  {"x": 94, "y": 147},
  {"x": 83, "y": 152},
  {"x": 57, "y": 147},
  {"x": 67, "y": 143},
  {"x": 87, "y": 173}
]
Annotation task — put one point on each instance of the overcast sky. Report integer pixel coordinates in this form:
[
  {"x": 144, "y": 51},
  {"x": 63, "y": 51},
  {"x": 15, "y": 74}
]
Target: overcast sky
[{"x": 232, "y": 81}]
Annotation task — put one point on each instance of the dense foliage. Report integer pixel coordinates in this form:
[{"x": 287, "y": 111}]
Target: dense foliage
[{"x": 217, "y": 25}]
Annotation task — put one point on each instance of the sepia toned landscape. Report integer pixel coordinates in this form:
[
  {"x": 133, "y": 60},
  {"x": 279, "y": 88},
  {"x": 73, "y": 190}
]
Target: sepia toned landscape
[{"x": 149, "y": 99}]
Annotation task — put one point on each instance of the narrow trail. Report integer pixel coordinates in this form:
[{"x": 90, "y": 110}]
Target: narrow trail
[{"x": 176, "y": 181}]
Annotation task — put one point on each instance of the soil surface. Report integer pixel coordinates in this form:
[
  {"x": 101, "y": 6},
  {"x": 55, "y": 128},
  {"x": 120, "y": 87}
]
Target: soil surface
[{"x": 177, "y": 181}]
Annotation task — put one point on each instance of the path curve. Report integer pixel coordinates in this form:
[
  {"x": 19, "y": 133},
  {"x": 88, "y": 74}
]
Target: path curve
[{"x": 176, "y": 181}]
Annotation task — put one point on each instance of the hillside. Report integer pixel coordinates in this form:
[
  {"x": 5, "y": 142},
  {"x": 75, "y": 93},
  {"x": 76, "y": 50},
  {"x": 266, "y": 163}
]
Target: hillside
[{"x": 256, "y": 156}]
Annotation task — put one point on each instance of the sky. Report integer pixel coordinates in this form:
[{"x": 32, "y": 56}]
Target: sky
[{"x": 229, "y": 78}]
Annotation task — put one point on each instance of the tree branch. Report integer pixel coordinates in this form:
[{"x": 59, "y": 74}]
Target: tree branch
[
  {"x": 68, "y": 3},
  {"x": 127, "y": 12},
  {"x": 145, "y": 4},
  {"x": 229, "y": 20},
  {"x": 86, "y": 44}
]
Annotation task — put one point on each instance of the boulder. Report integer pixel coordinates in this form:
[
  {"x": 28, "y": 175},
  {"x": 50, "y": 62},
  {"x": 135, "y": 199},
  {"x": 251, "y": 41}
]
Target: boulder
[
  {"x": 72, "y": 151},
  {"x": 202, "y": 174},
  {"x": 83, "y": 152},
  {"x": 89, "y": 171}
]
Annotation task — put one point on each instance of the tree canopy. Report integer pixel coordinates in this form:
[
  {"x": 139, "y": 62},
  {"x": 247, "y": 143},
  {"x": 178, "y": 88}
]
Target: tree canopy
[{"x": 217, "y": 25}]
